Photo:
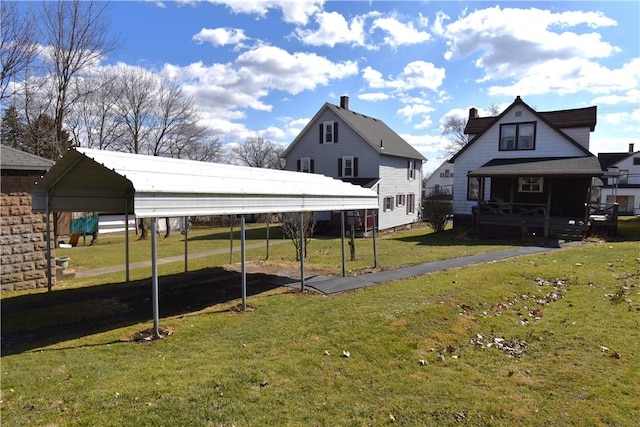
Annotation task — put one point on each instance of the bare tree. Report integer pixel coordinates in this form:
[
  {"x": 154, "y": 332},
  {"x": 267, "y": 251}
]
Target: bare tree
[
  {"x": 258, "y": 153},
  {"x": 18, "y": 46},
  {"x": 92, "y": 119},
  {"x": 76, "y": 37},
  {"x": 135, "y": 108},
  {"x": 208, "y": 149},
  {"x": 453, "y": 128},
  {"x": 290, "y": 226}
]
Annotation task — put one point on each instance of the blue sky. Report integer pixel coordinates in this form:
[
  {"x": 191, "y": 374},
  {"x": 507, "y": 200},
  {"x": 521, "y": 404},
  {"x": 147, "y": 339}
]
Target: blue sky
[{"x": 264, "y": 68}]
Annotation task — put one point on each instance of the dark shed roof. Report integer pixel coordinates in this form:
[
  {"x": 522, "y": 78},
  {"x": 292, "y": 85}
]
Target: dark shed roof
[
  {"x": 561, "y": 119},
  {"x": 13, "y": 159}
]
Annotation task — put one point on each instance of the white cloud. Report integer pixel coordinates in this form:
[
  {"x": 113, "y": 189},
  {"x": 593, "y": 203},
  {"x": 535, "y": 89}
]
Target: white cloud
[
  {"x": 399, "y": 33},
  {"x": 333, "y": 29},
  {"x": 293, "y": 11},
  {"x": 533, "y": 47},
  {"x": 409, "y": 111},
  {"x": 374, "y": 96},
  {"x": 631, "y": 97},
  {"x": 415, "y": 75},
  {"x": 571, "y": 76},
  {"x": 275, "y": 68},
  {"x": 220, "y": 36}
]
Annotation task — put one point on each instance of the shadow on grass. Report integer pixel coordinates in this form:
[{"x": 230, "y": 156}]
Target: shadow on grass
[
  {"x": 465, "y": 237},
  {"x": 37, "y": 320},
  {"x": 250, "y": 233}
]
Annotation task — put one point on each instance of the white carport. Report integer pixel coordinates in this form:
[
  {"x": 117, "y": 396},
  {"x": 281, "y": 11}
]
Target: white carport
[{"x": 159, "y": 187}]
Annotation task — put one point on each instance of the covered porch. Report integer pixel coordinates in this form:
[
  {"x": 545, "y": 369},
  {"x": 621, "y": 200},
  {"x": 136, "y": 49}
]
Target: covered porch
[{"x": 547, "y": 197}]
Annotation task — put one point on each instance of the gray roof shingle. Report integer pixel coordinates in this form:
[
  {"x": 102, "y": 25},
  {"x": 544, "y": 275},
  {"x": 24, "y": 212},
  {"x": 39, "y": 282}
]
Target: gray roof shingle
[{"x": 14, "y": 159}]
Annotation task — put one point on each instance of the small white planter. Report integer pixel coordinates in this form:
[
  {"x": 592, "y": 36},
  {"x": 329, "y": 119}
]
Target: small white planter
[{"x": 63, "y": 261}]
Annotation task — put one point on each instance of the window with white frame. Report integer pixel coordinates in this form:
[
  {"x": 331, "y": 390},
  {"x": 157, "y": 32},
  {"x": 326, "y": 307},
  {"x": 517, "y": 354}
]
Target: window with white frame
[
  {"x": 348, "y": 166},
  {"x": 305, "y": 165},
  {"x": 400, "y": 199},
  {"x": 388, "y": 203},
  {"x": 517, "y": 136},
  {"x": 328, "y": 132},
  {"x": 530, "y": 184}
]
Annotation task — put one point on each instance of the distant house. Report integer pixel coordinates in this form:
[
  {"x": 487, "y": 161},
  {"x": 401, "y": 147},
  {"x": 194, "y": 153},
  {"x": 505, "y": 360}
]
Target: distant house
[
  {"x": 362, "y": 150},
  {"x": 621, "y": 180},
  {"x": 21, "y": 170},
  {"x": 440, "y": 181},
  {"x": 526, "y": 172}
]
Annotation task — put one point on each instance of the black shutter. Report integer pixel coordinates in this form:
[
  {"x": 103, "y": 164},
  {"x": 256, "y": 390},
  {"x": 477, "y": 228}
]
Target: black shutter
[
  {"x": 313, "y": 169},
  {"x": 409, "y": 169},
  {"x": 335, "y": 132},
  {"x": 321, "y": 134},
  {"x": 339, "y": 167},
  {"x": 298, "y": 165},
  {"x": 355, "y": 166}
]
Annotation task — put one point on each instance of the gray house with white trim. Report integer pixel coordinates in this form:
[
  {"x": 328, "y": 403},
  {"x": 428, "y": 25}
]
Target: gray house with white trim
[{"x": 362, "y": 150}]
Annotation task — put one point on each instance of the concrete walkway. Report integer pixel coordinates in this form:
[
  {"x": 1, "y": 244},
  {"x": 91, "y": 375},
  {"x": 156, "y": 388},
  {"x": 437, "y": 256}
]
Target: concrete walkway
[{"x": 334, "y": 285}]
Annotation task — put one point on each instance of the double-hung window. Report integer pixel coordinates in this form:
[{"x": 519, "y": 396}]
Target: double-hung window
[
  {"x": 305, "y": 165},
  {"x": 347, "y": 167},
  {"x": 517, "y": 136},
  {"x": 400, "y": 199},
  {"x": 530, "y": 184},
  {"x": 328, "y": 132},
  {"x": 388, "y": 203}
]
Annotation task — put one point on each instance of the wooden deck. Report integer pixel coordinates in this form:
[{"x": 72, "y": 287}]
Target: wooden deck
[{"x": 526, "y": 220}]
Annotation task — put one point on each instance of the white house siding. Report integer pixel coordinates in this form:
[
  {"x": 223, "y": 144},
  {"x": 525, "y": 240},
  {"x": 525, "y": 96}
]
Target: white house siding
[
  {"x": 580, "y": 135},
  {"x": 393, "y": 181},
  {"x": 627, "y": 194},
  {"x": 440, "y": 179},
  {"x": 548, "y": 143}
]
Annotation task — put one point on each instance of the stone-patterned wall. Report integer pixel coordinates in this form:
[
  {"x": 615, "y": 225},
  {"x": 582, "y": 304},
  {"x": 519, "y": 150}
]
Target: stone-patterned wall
[{"x": 22, "y": 237}]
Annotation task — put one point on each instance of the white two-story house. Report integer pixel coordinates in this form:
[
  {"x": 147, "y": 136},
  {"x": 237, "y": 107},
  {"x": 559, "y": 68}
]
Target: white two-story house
[
  {"x": 362, "y": 150},
  {"x": 621, "y": 180},
  {"x": 526, "y": 172}
]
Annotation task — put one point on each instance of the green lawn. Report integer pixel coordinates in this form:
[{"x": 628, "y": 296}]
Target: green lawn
[{"x": 552, "y": 339}]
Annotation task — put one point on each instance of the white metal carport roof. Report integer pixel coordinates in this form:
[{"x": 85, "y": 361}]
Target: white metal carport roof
[
  {"x": 157, "y": 187},
  {"x": 87, "y": 180}
]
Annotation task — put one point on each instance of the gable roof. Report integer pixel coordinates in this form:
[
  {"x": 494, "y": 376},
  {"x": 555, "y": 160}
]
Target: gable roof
[
  {"x": 609, "y": 159},
  {"x": 374, "y": 131},
  {"x": 563, "y": 119},
  {"x": 13, "y": 159}
]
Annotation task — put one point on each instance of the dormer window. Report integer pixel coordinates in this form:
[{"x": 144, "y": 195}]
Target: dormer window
[
  {"x": 517, "y": 136},
  {"x": 328, "y": 132}
]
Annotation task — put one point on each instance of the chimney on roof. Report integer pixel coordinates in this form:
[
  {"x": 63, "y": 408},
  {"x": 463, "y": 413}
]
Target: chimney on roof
[
  {"x": 473, "y": 113},
  {"x": 344, "y": 102},
  {"x": 631, "y": 147}
]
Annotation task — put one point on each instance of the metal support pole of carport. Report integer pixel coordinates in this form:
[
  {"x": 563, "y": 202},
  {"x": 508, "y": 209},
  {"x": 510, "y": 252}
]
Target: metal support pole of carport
[
  {"x": 344, "y": 271},
  {"x": 243, "y": 252},
  {"x": 48, "y": 241},
  {"x": 302, "y": 252},
  {"x": 154, "y": 276}
]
